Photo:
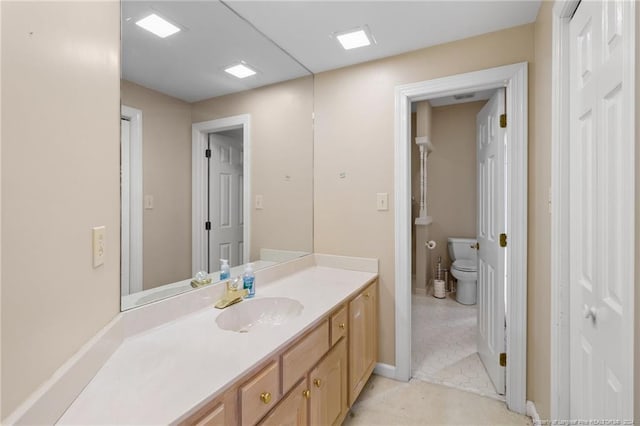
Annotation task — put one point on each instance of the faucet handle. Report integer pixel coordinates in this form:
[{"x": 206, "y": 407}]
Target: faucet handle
[{"x": 233, "y": 283}]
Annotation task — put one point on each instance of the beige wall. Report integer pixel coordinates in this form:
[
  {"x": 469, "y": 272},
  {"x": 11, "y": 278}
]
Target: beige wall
[
  {"x": 281, "y": 145},
  {"x": 354, "y": 110},
  {"x": 539, "y": 248},
  {"x": 166, "y": 151},
  {"x": 451, "y": 196},
  {"x": 60, "y": 178},
  {"x": 636, "y": 366}
]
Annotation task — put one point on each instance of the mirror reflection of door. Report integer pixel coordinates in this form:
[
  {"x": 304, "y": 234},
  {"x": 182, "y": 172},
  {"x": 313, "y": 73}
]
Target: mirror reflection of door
[
  {"x": 131, "y": 199},
  {"x": 225, "y": 193}
]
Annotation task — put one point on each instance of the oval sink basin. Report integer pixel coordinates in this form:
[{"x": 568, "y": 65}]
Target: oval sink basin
[{"x": 267, "y": 311}]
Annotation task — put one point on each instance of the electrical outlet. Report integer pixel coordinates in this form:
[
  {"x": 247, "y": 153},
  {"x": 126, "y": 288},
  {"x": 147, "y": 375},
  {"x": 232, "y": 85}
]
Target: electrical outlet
[
  {"x": 382, "y": 201},
  {"x": 99, "y": 245}
]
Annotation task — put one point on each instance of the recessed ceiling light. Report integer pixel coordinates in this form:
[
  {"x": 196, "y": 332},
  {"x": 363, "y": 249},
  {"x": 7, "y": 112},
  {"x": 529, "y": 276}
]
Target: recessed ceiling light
[
  {"x": 354, "y": 39},
  {"x": 155, "y": 24},
  {"x": 240, "y": 71}
]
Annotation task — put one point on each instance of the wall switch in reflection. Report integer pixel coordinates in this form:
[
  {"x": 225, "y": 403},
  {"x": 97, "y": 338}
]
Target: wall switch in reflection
[
  {"x": 148, "y": 202},
  {"x": 259, "y": 202},
  {"x": 99, "y": 247},
  {"x": 382, "y": 201}
]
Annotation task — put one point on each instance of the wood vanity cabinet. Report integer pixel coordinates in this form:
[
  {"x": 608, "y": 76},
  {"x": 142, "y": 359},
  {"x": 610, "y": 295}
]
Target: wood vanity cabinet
[
  {"x": 363, "y": 339},
  {"x": 328, "y": 383},
  {"x": 313, "y": 381},
  {"x": 293, "y": 410}
]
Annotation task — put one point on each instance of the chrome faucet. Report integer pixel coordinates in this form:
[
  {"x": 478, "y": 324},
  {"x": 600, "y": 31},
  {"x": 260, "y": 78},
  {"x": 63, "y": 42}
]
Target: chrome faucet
[{"x": 232, "y": 294}]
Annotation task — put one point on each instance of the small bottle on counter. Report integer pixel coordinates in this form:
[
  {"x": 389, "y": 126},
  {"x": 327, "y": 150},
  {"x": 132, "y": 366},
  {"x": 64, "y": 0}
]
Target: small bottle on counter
[
  {"x": 225, "y": 272},
  {"x": 248, "y": 279}
]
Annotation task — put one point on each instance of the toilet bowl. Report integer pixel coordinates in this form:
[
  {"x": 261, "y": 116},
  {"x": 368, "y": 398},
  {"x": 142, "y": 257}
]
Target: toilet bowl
[{"x": 464, "y": 268}]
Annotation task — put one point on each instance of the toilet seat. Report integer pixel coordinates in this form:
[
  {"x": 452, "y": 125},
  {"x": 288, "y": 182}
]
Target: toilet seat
[{"x": 465, "y": 265}]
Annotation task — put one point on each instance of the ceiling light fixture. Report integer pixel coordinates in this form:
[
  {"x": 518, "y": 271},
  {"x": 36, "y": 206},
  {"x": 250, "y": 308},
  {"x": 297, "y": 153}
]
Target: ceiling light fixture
[
  {"x": 240, "y": 71},
  {"x": 354, "y": 38},
  {"x": 158, "y": 26}
]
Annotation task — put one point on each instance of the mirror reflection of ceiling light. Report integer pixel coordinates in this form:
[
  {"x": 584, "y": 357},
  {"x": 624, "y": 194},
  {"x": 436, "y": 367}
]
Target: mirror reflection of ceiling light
[
  {"x": 240, "y": 71},
  {"x": 158, "y": 26},
  {"x": 354, "y": 39}
]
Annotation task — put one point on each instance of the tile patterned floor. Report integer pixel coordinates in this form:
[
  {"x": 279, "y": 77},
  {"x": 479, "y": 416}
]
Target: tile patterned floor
[
  {"x": 444, "y": 347},
  {"x": 388, "y": 402}
]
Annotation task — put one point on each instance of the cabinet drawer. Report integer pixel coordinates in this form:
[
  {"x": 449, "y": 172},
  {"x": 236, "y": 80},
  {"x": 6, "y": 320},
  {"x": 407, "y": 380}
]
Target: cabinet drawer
[
  {"x": 339, "y": 325},
  {"x": 303, "y": 355},
  {"x": 260, "y": 394}
]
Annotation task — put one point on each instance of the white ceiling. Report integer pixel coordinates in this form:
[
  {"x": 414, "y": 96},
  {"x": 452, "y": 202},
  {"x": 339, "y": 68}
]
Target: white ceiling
[{"x": 189, "y": 65}]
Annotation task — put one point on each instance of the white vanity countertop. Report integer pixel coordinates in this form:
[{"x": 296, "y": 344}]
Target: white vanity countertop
[{"x": 159, "y": 375}]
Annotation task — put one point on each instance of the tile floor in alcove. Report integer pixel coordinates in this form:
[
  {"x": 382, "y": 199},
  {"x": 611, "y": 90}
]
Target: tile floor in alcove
[
  {"x": 444, "y": 352},
  {"x": 443, "y": 347}
]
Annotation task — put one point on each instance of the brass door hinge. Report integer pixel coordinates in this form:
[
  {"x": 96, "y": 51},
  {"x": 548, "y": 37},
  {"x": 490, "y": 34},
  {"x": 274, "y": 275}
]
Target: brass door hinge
[
  {"x": 503, "y": 240},
  {"x": 503, "y": 359},
  {"x": 503, "y": 120}
]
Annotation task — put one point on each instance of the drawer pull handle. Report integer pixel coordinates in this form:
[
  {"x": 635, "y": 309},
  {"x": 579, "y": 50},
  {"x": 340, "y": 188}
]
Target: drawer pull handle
[
  {"x": 265, "y": 397},
  {"x": 317, "y": 382},
  {"x": 342, "y": 326},
  {"x": 306, "y": 393}
]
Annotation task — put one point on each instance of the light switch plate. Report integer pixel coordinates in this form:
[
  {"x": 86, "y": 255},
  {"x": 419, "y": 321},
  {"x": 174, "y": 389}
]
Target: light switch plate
[
  {"x": 99, "y": 246},
  {"x": 259, "y": 202},
  {"x": 382, "y": 201},
  {"x": 148, "y": 202}
]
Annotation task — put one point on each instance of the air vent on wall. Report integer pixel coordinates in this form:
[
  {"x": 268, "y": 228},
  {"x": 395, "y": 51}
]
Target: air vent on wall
[{"x": 464, "y": 96}]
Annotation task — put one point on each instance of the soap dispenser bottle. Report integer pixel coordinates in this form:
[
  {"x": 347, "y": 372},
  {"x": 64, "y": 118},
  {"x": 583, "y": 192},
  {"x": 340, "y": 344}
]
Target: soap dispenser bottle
[
  {"x": 225, "y": 272},
  {"x": 249, "y": 280}
]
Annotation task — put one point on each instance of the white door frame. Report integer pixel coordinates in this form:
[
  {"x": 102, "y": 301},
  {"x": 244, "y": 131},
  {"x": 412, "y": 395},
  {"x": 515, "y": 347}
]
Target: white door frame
[
  {"x": 514, "y": 78},
  {"x": 132, "y": 249},
  {"x": 560, "y": 339},
  {"x": 200, "y": 137}
]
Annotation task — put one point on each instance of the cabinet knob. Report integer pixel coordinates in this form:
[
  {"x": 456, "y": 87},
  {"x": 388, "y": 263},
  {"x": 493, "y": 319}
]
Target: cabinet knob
[
  {"x": 265, "y": 397},
  {"x": 306, "y": 393},
  {"x": 367, "y": 295},
  {"x": 317, "y": 382},
  {"x": 342, "y": 326}
]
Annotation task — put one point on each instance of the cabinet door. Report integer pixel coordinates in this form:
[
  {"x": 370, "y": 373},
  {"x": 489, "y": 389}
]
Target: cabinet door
[
  {"x": 214, "y": 418},
  {"x": 328, "y": 382},
  {"x": 293, "y": 410},
  {"x": 363, "y": 339}
]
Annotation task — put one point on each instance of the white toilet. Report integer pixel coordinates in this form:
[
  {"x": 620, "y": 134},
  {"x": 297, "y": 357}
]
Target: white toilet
[{"x": 464, "y": 268}]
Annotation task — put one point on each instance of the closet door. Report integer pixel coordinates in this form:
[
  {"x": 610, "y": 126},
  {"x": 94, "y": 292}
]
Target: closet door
[{"x": 602, "y": 212}]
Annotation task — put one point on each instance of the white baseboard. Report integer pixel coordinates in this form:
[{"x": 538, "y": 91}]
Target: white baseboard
[
  {"x": 533, "y": 413},
  {"x": 385, "y": 370}
]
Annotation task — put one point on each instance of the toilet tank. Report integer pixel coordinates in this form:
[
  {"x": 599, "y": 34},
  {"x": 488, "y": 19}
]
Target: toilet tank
[{"x": 462, "y": 248}]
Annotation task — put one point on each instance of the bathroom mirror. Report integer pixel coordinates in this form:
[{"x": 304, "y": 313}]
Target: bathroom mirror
[{"x": 213, "y": 166}]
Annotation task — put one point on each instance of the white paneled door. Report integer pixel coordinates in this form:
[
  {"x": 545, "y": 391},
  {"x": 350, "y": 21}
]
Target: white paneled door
[
  {"x": 491, "y": 223},
  {"x": 602, "y": 213},
  {"x": 225, "y": 201}
]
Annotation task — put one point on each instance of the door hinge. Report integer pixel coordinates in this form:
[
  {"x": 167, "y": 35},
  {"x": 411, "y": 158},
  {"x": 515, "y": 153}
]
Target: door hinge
[
  {"x": 207, "y": 153},
  {"x": 503, "y": 240},
  {"x": 207, "y": 226},
  {"x": 503, "y": 120},
  {"x": 503, "y": 359}
]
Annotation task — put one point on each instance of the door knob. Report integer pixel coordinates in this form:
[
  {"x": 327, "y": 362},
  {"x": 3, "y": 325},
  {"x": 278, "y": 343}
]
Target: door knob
[{"x": 589, "y": 312}]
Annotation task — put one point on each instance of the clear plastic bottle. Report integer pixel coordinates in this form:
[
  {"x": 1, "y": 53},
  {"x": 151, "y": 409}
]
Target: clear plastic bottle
[
  {"x": 225, "y": 272},
  {"x": 249, "y": 280}
]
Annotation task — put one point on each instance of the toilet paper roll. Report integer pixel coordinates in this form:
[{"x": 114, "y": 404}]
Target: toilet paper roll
[
  {"x": 439, "y": 289},
  {"x": 430, "y": 244}
]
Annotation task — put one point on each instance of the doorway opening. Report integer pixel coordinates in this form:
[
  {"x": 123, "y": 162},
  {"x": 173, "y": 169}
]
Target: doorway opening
[
  {"x": 449, "y": 172},
  {"x": 221, "y": 167},
  {"x": 513, "y": 78}
]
